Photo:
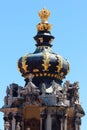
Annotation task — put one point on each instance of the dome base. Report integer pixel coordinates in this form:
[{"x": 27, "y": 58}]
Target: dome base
[{"x": 38, "y": 81}]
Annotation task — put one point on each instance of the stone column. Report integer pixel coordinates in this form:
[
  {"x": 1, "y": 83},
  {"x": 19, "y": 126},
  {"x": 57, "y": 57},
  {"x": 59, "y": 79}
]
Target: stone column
[
  {"x": 13, "y": 124},
  {"x": 79, "y": 127},
  {"x": 22, "y": 123},
  {"x": 61, "y": 121},
  {"x": 76, "y": 126},
  {"x": 10, "y": 118},
  {"x": 49, "y": 122},
  {"x": 77, "y": 123},
  {"x": 18, "y": 119},
  {"x": 43, "y": 117},
  {"x": 41, "y": 123},
  {"x": 65, "y": 123},
  {"x": 55, "y": 121}
]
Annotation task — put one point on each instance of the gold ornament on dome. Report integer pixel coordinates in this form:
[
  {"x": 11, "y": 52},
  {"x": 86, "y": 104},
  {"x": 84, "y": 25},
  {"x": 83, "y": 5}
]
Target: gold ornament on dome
[
  {"x": 41, "y": 39},
  {"x": 44, "y": 26},
  {"x": 24, "y": 65},
  {"x": 44, "y": 14},
  {"x": 68, "y": 67},
  {"x": 35, "y": 70},
  {"x": 59, "y": 66},
  {"x": 46, "y": 60}
]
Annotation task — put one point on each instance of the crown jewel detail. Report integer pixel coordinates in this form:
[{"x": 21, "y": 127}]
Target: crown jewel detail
[
  {"x": 44, "y": 25},
  {"x": 44, "y": 14}
]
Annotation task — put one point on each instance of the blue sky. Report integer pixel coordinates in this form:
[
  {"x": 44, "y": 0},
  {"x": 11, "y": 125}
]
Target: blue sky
[{"x": 18, "y": 19}]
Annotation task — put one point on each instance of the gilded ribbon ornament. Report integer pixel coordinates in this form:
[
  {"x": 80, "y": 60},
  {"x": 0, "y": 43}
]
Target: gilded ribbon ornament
[{"x": 46, "y": 60}]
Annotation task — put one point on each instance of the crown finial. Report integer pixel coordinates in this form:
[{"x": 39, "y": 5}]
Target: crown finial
[
  {"x": 44, "y": 14},
  {"x": 44, "y": 25}
]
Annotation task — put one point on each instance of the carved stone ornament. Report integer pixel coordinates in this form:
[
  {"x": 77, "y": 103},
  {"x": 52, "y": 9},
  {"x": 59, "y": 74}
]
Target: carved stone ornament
[
  {"x": 7, "y": 125},
  {"x": 18, "y": 126}
]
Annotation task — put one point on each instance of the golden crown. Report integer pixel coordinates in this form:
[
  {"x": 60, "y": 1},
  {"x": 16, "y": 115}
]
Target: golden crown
[
  {"x": 44, "y": 14},
  {"x": 43, "y": 27}
]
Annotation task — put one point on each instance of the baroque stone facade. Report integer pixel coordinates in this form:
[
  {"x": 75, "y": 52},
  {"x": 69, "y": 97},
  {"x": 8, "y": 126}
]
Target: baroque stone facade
[{"x": 44, "y": 103}]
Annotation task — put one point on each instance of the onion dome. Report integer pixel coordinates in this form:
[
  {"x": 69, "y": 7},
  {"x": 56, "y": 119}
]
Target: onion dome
[{"x": 43, "y": 64}]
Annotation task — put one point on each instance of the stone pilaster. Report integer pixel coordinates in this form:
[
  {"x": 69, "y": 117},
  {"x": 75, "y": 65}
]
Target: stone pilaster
[
  {"x": 65, "y": 123},
  {"x": 77, "y": 123},
  {"x": 18, "y": 119},
  {"x": 22, "y": 123},
  {"x": 13, "y": 124},
  {"x": 61, "y": 121},
  {"x": 10, "y": 118},
  {"x": 43, "y": 117},
  {"x": 49, "y": 122},
  {"x": 54, "y": 120}
]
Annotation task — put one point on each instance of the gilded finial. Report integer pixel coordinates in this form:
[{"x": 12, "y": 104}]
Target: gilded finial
[
  {"x": 44, "y": 14},
  {"x": 44, "y": 25}
]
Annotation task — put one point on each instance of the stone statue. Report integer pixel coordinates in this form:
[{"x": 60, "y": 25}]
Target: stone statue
[
  {"x": 18, "y": 126},
  {"x": 7, "y": 91},
  {"x": 67, "y": 83},
  {"x": 65, "y": 89},
  {"x": 54, "y": 86},
  {"x": 30, "y": 77},
  {"x": 6, "y": 100},
  {"x": 7, "y": 125},
  {"x": 19, "y": 91},
  {"x": 59, "y": 96},
  {"x": 72, "y": 93},
  {"x": 43, "y": 88},
  {"x": 76, "y": 93},
  {"x": 11, "y": 90}
]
